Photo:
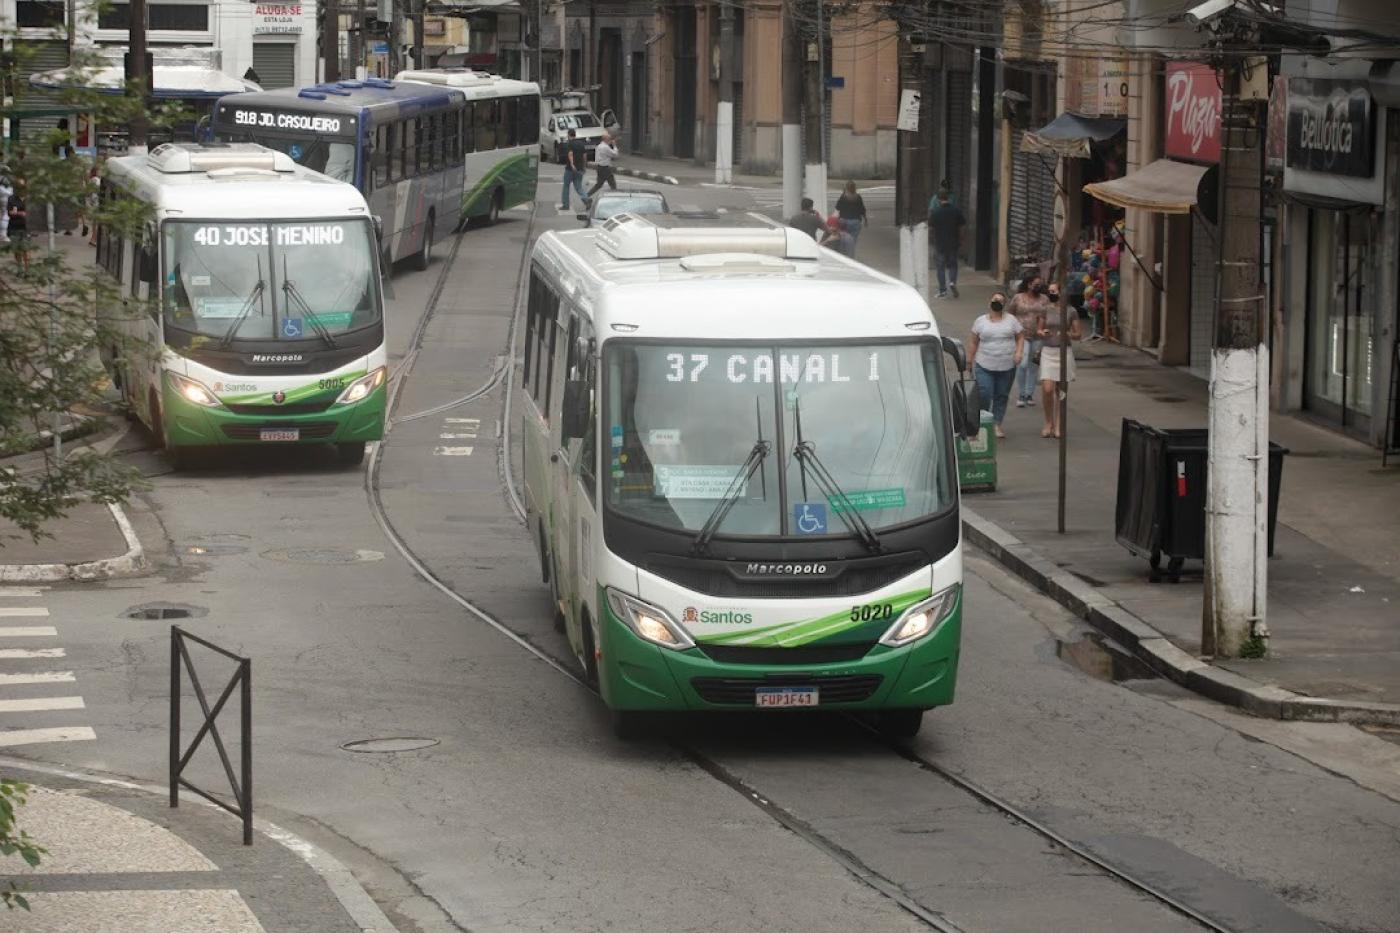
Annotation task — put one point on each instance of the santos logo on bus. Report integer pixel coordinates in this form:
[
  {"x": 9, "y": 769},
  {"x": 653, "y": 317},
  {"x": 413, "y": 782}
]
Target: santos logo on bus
[{"x": 691, "y": 614}]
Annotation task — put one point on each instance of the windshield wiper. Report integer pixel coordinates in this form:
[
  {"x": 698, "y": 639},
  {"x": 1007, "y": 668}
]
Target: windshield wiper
[
  {"x": 243, "y": 312},
  {"x": 806, "y": 454},
  {"x": 751, "y": 463},
  {"x": 308, "y": 315}
]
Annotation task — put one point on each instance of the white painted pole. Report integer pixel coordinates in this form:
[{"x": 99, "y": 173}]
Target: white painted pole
[{"x": 724, "y": 143}]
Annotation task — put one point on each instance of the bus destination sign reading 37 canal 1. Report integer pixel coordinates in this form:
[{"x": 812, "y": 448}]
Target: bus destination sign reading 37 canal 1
[{"x": 331, "y": 124}]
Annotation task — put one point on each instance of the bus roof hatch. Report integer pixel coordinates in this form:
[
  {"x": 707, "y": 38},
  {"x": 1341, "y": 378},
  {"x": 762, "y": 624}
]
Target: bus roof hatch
[
  {"x": 450, "y": 77},
  {"x": 630, "y": 236},
  {"x": 183, "y": 158}
]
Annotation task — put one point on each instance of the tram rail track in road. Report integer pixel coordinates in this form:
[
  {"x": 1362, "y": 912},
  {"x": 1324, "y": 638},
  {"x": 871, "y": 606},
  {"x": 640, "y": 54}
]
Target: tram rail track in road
[{"x": 566, "y": 666}]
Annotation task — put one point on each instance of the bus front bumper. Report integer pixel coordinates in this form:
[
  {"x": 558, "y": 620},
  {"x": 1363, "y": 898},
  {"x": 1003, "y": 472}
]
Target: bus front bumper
[
  {"x": 637, "y": 675},
  {"x": 191, "y": 425}
]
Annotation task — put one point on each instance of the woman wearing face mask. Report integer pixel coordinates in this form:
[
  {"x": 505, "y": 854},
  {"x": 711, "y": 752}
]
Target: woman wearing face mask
[
  {"x": 1048, "y": 328},
  {"x": 994, "y": 351},
  {"x": 1028, "y": 304}
]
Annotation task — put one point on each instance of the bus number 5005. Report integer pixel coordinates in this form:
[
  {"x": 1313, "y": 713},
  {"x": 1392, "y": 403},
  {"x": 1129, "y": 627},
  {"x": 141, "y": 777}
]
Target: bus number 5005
[{"x": 875, "y": 613}]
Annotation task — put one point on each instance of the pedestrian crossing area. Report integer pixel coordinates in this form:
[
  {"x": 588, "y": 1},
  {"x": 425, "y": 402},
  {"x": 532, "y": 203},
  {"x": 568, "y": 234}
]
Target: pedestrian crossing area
[
  {"x": 39, "y": 702},
  {"x": 876, "y": 196}
]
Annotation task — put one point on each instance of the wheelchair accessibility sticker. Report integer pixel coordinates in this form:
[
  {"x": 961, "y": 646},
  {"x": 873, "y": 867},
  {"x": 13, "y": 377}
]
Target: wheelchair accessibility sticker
[
  {"x": 809, "y": 518},
  {"x": 291, "y": 327}
]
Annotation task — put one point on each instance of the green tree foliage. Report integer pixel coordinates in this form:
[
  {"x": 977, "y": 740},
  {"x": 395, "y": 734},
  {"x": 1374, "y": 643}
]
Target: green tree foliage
[
  {"x": 50, "y": 326},
  {"x": 14, "y": 841}
]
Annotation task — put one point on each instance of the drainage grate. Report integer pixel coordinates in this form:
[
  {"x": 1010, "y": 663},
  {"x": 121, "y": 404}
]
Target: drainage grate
[
  {"x": 159, "y": 611},
  {"x": 398, "y": 743}
]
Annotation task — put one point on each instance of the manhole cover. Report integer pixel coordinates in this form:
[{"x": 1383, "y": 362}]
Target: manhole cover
[
  {"x": 399, "y": 743},
  {"x": 322, "y": 555},
  {"x": 158, "y": 611},
  {"x": 213, "y": 550}
]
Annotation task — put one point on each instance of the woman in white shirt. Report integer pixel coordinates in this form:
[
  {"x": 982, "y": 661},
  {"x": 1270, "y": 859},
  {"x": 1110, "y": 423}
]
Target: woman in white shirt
[{"x": 994, "y": 352}]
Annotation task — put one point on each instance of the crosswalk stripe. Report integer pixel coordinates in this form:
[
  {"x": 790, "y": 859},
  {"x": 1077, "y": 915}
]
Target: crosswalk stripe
[
  {"x": 9, "y": 737},
  {"x": 21, "y": 612},
  {"x": 7, "y": 654},
  {"x": 27, "y": 631},
  {"x": 453, "y": 451},
  {"x": 41, "y": 677},
  {"x": 28, "y": 592},
  {"x": 38, "y": 704}
]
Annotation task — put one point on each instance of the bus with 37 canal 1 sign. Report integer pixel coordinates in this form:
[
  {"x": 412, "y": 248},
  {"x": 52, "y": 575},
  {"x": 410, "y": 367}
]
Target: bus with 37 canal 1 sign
[
  {"x": 739, "y": 471},
  {"x": 263, "y": 317}
]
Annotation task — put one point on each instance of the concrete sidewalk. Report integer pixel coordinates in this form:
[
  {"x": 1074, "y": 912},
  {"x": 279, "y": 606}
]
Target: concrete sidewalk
[
  {"x": 119, "y": 859},
  {"x": 1334, "y": 596}
]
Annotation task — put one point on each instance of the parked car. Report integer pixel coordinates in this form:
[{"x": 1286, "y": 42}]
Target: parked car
[{"x": 634, "y": 201}]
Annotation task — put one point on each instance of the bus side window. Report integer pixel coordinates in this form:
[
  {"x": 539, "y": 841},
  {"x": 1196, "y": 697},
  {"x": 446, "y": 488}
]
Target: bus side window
[
  {"x": 451, "y": 137},
  {"x": 499, "y": 118},
  {"x": 511, "y": 109},
  {"x": 383, "y": 141},
  {"x": 584, "y": 371},
  {"x": 532, "y": 310},
  {"x": 528, "y": 120},
  {"x": 545, "y": 327},
  {"x": 398, "y": 142},
  {"x": 433, "y": 141},
  {"x": 469, "y": 127},
  {"x": 486, "y": 111}
]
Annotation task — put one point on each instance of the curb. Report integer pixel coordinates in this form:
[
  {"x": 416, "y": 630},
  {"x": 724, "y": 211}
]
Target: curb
[
  {"x": 1154, "y": 649},
  {"x": 78, "y": 426},
  {"x": 649, "y": 176},
  {"x": 131, "y": 563},
  {"x": 356, "y": 901}
]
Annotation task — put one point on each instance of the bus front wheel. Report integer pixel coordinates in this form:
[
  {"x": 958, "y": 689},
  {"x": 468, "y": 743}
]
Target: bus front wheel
[
  {"x": 352, "y": 454},
  {"x": 900, "y": 723}
]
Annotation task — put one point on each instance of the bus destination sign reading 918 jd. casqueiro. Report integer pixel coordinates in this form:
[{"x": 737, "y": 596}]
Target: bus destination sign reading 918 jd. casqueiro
[{"x": 305, "y": 122}]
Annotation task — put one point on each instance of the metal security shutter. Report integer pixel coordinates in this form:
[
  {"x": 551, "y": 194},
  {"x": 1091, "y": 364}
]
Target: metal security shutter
[
  {"x": 1031, "y": 227},
  {"x": 1203, "y": 251},
  {"x": 275, "y": 63},
  {"x": 40, "y": 56},
  {"x": 958, "y": 143}
]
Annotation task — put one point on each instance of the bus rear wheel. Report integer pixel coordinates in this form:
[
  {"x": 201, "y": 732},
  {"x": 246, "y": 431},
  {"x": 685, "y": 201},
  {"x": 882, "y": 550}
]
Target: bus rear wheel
[
  {"x": 900, "y": 723},
  {"x": 351, "y": 454},
  {"x": 425, "y": 252}
]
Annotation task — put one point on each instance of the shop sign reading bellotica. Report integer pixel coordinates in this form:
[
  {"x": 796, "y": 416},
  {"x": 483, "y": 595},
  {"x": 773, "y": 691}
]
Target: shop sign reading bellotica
[
  {"x": 1193, "y": 112},
  {"x": 1330, "y": 128}
]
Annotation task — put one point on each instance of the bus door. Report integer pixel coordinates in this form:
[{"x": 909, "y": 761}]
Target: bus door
[
  {"x": 144, "y": 328},
  {"x": 561, "y": 462},
  {"x": 583, "y": 480}
]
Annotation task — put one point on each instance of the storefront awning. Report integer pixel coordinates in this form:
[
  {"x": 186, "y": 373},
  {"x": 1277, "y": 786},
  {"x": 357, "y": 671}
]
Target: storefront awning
[
  {"x": 1069, "y": 135},
  {"x": 1165, "y": 186}
]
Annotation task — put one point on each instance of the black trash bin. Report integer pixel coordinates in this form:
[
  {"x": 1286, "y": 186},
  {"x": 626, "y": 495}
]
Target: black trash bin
[{"x": 1161, "y": 508}]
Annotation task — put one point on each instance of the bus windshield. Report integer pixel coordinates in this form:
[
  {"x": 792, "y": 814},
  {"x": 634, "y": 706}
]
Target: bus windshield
[
  {"x": 681, "y": 421},
  {"x": 329, "y": 156},
  {"x": 269, "y": 281}
]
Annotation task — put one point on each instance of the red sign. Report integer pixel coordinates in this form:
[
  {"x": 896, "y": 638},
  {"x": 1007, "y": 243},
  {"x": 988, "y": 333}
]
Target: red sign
[{"x": 1193, "y": 112}]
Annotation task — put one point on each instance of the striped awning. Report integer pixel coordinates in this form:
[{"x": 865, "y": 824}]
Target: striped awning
[{"x": 1165, "y": 186}]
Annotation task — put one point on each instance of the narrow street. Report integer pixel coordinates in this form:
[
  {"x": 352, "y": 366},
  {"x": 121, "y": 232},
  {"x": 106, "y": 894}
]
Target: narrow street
[{"x": 403, "y": 601}]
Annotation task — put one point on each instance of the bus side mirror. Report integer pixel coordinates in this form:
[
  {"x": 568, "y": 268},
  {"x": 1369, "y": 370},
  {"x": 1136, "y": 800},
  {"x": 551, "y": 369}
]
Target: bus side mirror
[
  {"x": 954, "y": 348},
  {"x": 575, "y": 414},
  {"x": 967, "y": 408},
  {"x": 378, "y": 228}
]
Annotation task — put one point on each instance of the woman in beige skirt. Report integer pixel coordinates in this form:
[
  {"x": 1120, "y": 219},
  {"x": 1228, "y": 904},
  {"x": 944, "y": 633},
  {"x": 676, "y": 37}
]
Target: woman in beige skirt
[{"x": 1049, "y": 324}]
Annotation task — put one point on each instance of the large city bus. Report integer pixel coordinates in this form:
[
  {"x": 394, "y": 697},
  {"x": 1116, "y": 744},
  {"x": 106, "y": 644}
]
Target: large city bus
[
  {"x": 739, "y": 471},
  {"x": 422, "y": 152},
  {"x": 262, "y": 316}
]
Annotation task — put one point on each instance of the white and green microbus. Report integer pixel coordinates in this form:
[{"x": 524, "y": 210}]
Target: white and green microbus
[
  {"x": 740, "y": 472},
  {"x": 262, "y": 316}
]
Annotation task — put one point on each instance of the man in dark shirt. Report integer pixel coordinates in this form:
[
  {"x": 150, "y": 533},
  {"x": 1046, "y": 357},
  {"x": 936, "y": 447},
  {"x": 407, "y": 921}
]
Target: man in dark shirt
[
  {"x": 945, "y": 223},
  {"x": 575, "y": 164},
  {"x": 808, "y": 220}
]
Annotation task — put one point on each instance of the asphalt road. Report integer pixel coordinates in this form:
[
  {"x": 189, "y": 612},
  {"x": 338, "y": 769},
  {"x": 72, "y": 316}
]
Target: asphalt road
[{"x": 525, "y": 814}]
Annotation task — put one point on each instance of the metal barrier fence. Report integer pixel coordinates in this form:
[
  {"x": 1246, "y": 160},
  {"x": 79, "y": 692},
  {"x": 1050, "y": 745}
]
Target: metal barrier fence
[{"x": 242, "y": 679}]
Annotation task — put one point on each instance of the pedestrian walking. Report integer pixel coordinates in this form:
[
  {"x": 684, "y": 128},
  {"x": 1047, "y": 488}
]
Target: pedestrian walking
[
  {"x": 19, "y": 225},
  {"x": 7, "y": 190},
  {"x": 838, "y": 239},
  {"x": 1049, "y": 327},
  {"x": 850, "y": 207},
  {"x": 946, "y": 223},
  {"x": 603, "y": 158},
  {"x": 808, "y": 220},
  {"x": 994, "y": 352},
  {"x": 1027, "y": 305},
  {"x": 88, "y": 216},
  {"x": 575, "y": 162}
]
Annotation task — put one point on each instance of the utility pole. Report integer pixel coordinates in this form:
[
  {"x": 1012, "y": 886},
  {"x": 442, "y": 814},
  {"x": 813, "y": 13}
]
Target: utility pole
[
  {"x": 1237, "y": 487},
  {"x": 330, "y": 40},
  {"x": 814, "y": 171},
  {"x": 359, "y": 66},
  {"x": 724, "y": 115},
  {"x": 912, "y": 173},
  {"x": 138, "y": 76},
  {"x": 417, "y": 18},
  {"x": 1072, "y": 178},
  {"x": 592, "y": 57},
  {"x": 792, "y": 111},
  {"x": 539, "y": 45}
]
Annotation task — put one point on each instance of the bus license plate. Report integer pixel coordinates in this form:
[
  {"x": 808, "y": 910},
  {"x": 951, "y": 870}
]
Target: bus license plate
[
  {"x": 279, "y": 434},
  {"x": 785, "y": 697}
]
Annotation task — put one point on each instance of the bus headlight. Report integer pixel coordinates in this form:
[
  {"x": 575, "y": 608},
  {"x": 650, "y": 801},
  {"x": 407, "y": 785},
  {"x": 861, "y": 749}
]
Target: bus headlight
[
  {"x": 360, "y": 389},
  {"x": 648, "y": 622},
  {"x": 921, "y": 618},
  {"x": 192, "y": 390}
]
